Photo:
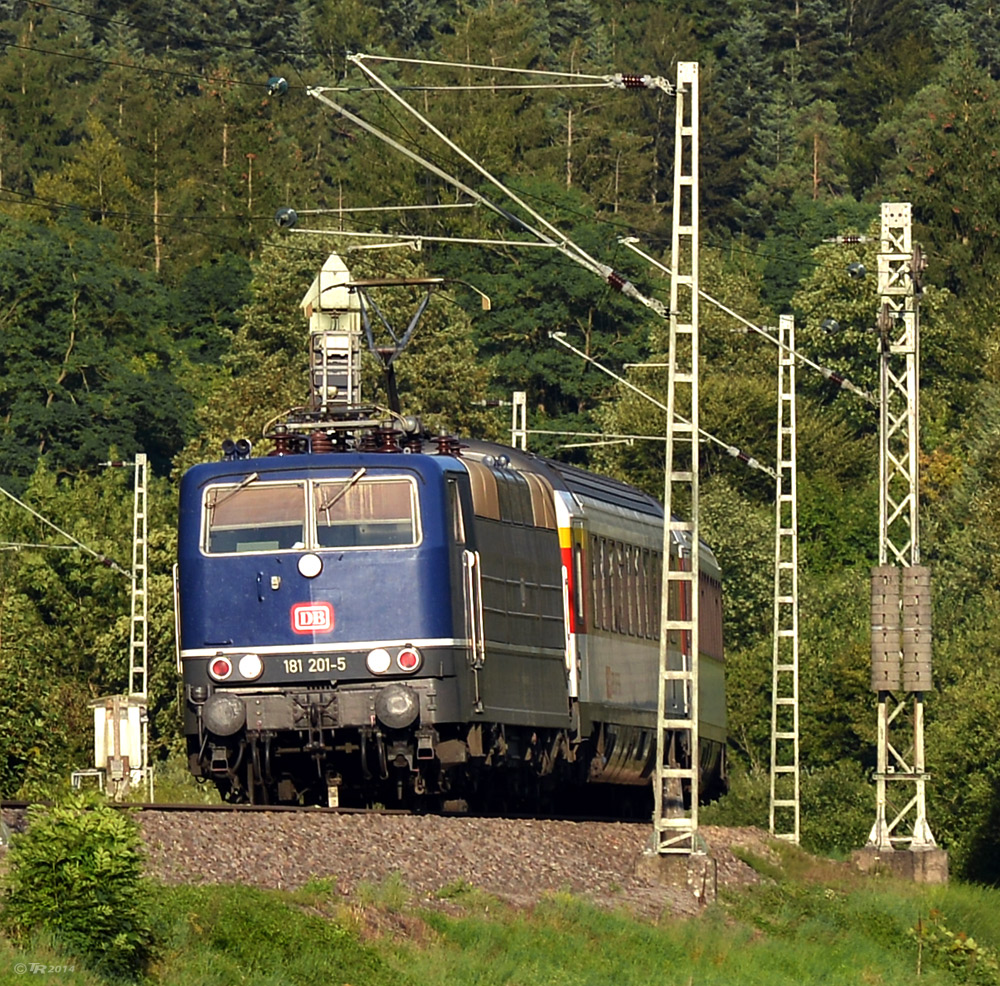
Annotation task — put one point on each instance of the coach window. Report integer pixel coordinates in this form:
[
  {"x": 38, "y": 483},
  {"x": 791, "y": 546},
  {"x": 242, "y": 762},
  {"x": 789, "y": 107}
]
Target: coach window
[
  {"x": 595, "y": 583},
  {"x": 264, "y": 517},
  {"x": 614, "y": 556},
  {"x": 632, "y": 560},
  {"x": 365, "y": 513},
  {"x": 656, "y": 591},
  {"x": 607, "y": 600},
  {"x": 642, "y": 590}
]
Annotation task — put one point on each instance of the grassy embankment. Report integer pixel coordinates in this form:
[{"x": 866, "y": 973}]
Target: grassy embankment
[{"x": 812, "y": 922}]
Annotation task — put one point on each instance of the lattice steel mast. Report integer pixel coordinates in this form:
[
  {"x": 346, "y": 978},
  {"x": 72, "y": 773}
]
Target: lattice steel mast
[
  {"x": 138, "y": 644},
  {"x": 901, "y": 631},
  {"x": 675, "y": 819},
  {"x": 784, "y": 815}
]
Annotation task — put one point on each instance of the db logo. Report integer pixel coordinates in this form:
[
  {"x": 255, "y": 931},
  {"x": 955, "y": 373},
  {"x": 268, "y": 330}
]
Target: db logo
[{"x": 312, "y": 618}]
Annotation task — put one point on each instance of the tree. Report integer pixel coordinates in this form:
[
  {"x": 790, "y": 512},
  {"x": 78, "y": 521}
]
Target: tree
[
  {"x": 97, "y": 182},
  {"x": 946, "y": 163},
  {"x": 538, "y": 291},
  {"x": 87, "y": 362}
]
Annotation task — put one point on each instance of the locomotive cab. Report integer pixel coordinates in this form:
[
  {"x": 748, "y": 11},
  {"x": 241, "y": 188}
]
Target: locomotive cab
[{"x": 316, "y": 619}]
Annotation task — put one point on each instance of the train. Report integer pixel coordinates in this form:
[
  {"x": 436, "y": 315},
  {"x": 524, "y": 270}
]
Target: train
[{"x": 370, "y": 615}]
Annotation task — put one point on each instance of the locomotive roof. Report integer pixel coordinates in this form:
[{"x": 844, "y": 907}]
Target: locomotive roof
[
  {"x": 588, "y": 485},
  {"x": 562, "y": 476}
]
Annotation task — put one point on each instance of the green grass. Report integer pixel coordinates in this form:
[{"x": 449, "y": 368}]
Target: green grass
[
  {"x": 22, "y": 966},
  {"x": 814, "y": 922}
]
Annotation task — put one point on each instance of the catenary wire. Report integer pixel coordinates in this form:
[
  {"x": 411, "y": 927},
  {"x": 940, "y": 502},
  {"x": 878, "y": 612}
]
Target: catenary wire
[
  {"x": 800, "y": 261},
  {"x": 103, "y": 559},
  {"x": 794, "y": 261}
]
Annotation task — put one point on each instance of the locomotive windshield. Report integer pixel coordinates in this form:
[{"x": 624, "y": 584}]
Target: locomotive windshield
[
  {"x": 364, "y": 514},
  {"x": 264, "y": 517},
  {"x": 311, "y": 515}
]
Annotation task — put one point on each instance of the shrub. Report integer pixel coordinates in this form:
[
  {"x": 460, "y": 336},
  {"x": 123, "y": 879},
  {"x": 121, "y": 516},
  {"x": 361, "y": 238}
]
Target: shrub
[
  {"x": 837, "y": 805},
  {"x": 76, "y": 874}
]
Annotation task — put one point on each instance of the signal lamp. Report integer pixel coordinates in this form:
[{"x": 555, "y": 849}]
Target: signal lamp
[
  {"x": 220, "y": 668},
  {"x": 251, "y": 667},
  {"x": 408, "y": 660}
]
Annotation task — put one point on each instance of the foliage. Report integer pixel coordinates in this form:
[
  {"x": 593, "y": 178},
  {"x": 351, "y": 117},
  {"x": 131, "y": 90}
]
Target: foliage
[
  {"x": 965, "y": 958},
  {"x": 64, "y": 621},
  {"x": 837, "y": 807},
  {"x": 76, "y": 873},
  {"x": 810, "y": 921},
  {"x": 946, "y": 163},
  {"x": 86, "y": 360}
]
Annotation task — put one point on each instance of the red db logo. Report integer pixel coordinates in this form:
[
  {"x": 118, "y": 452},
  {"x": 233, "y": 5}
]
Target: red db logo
[{"x": 312, "y": 617}]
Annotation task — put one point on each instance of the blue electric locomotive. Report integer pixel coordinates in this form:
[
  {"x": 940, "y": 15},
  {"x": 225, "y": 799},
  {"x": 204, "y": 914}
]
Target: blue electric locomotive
[{"x": 367, "y": 615}]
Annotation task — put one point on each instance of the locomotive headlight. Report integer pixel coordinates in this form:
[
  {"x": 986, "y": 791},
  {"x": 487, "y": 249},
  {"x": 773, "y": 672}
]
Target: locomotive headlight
[
  {"x": 250, "y": 666},
  {"x": 397, "y": 706},
  {"x": 220, "y": 668},
  {"x": 310, "y": 565},
  {"x": 378, "y": 661},
  {"x": 408, "y": 659}
]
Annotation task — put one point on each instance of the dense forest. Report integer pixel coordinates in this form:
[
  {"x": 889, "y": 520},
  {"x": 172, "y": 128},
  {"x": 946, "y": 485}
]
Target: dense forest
[{"x": 149, "y": 302}]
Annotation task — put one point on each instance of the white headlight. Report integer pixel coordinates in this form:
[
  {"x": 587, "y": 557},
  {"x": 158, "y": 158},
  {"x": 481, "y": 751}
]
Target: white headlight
[
  {"x": 310, "y": 565},
  {"x": 250, "y": 666},
  {"x": 378, "y": 661}
]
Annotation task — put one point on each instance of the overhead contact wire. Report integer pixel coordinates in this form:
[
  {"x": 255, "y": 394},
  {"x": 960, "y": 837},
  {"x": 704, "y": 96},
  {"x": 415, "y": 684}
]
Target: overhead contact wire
[
  {"x": 557, "y": 239},
  {"x": 825, "y": 371},
  {"x": 732, "y": 450},
  {"x": 619, "y": 80},
  {"x": 103, "y": 559}
]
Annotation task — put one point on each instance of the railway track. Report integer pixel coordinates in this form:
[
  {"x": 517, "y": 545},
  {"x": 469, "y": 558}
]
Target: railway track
[
  {"x": 224, "y": 807},
  {"x": 188, "y": 806}
]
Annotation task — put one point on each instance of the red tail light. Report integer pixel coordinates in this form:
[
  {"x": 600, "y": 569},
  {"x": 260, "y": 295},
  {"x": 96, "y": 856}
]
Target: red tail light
[
  {"x": 408, "y": 659},
  {"x": 220, "y": 668}
]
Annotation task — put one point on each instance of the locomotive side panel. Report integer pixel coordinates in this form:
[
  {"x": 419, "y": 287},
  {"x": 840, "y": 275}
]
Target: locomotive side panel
[
  {"x": 523, "y": 679},
  {"x": 524, "y": 675}
]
